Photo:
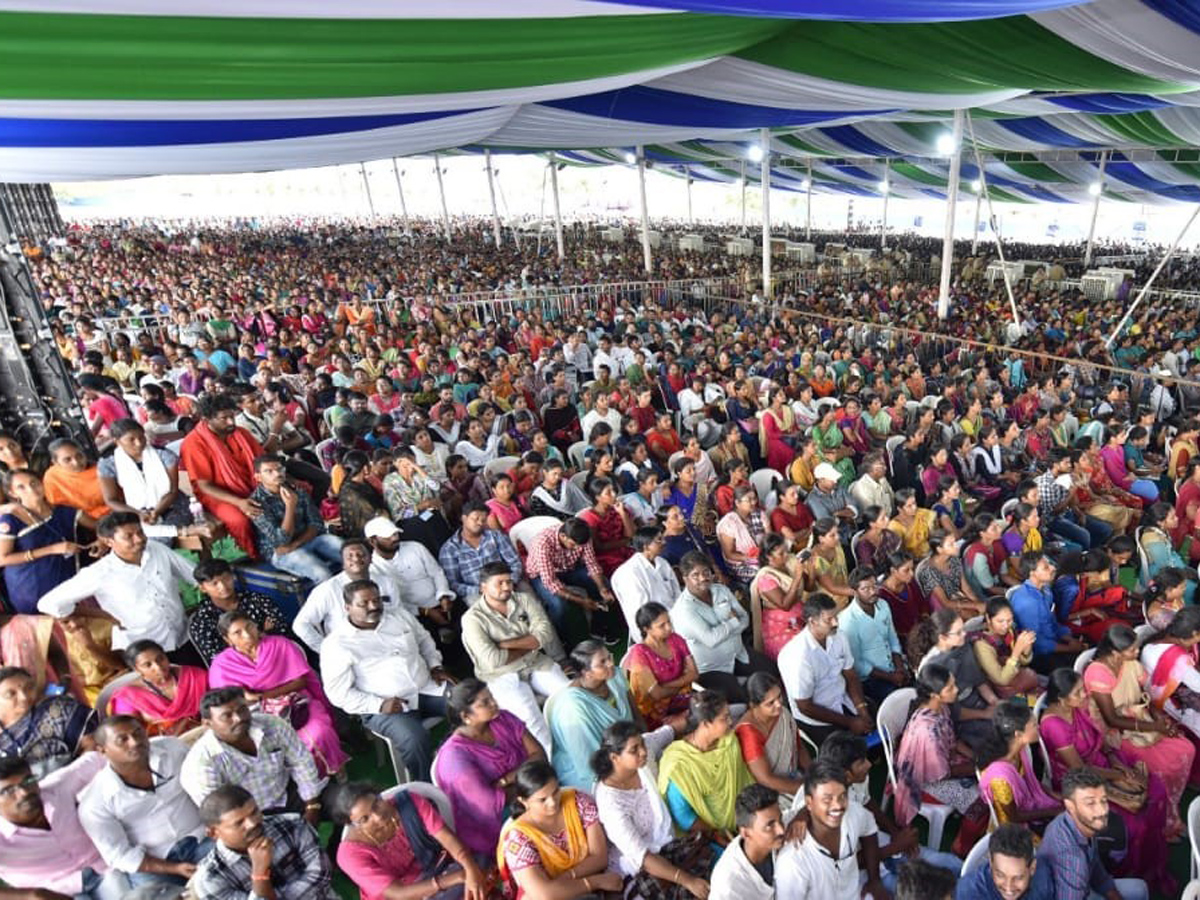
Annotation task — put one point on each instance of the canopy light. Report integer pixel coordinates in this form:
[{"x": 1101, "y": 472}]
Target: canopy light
[
  {"x": 630, "y": 158},
  {"x": 755, "y": 153},
  {"x": 945, "y": 145},
  {"x": 805, "y": 184},
  {"x": 884, "y": 187},
  {"x": 977, "y": 185},
  {"x": 1095, "y": 188}
]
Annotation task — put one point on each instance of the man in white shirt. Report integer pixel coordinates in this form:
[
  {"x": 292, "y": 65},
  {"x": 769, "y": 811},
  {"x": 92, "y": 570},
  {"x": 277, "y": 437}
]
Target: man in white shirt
[
  {"x": 817, "y": 670},
  {"x": 692, "y": 403},
  {"x": 136, "y": 811},
  {"x": 872, "y": 487},
  {"x": 577, "y": 353},
  {"x": 423, "y": 584},
  {"x": 383, "y": 666},
  {"x": 746, "y": 868},
  {"x": 604, "y": 357},
  {"x": 711, "y": 620},
  {"x": 644, "y": 577},
  {"x": 824, "y": 865},
  {"x": 137, "y": 583},
  {"x": 601, "y": 411},
  {"x": 325, "y": 607},
  {"x": 514, "y": 647}
]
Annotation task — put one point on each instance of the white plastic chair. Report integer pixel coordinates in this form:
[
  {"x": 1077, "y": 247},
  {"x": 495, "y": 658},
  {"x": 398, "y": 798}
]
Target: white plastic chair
[
  {"x": 1081, "y": 661},
  {"x": 890, "y": 446},
  {"x": 430, "y": 792},
  {"x": 575, "y": 453},
  {"x": 1006, "y": 509},
  {"x": 500, "y": 464},
  {"x": 975, "y": 623},
  {"x": 523, "y": 532},
  {"x": 1193, "y": 825},
  {"x": 854, "y": 539},
  {"x": 762, "y": 481},
  {"x": 398, "y": 765},
  {"x": 104, "y": 699},
  {"x": 976, "y": 857},
  {"x": 579, "y": 479},
  {"x": 1143, "y": 560},
  {"x": 1143, "y": 632},
  {"x": 893, "y": 713},
  {"x": 1192, "y": 891},
  {"x": 1038, "y": 709}
]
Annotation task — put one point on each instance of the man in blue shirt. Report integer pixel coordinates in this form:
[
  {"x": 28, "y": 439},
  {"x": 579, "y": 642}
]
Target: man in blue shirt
[
  {"x": 866, "y": 624},
  {"x": 1069, "y": 847},
  {"x": 1010, "y": 872},
  {"x": 1033, "y": 609}
]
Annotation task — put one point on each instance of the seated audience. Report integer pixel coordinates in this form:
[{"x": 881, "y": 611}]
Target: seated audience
[
  {"x": 567, "y": 577},
  {"x": 942, "y": 578},
  {"x": 746, "y": 868},
  {"x": 325, "y": 607},
  {"x": 288, "y": 531},
  {"x": 899, "y": 589},
  {"x": 646, "y": 577},
  {"x": 1033, "y": 608},
  {"x": 942, "y": 639},
  {"x": 829, "y": 562},
  {"x": 165, "y": 697},
  {"x": 219, "y": 595},
  {"x": 47, "y": 731},
  {"x": 771, "y": 745},
  {"x": 1010, "y": 870},
  {"x": 612, "y": 526},
  {"x": 866, "y": 626},
  {"x": 777, "y": 594},
  {"x": 1007, "y": 780},
  {"x": 661, "y": 669},
  {"x": 472, "y": 547},
  {"x": 739, "y": 532},
  {"x": 875, "y": 541},
  {"x": 1003, "y": 655}
]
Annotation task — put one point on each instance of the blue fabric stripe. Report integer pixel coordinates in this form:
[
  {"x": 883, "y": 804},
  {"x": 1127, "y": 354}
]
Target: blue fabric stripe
[
  {"x": 861, "y": 10},
  {"x": 658, "y": 107},
  {"x": 1043, "y": 132},
  {"x": 1109, "y": 103},
  {"x": 25, "y": 132},
  {"x": 968, "y": 172},
  {"x": 850, "y": 137},
  {"x": 856, "y": 172},
  {"x": 1181, "y": 12},
  {"x": 1040, "y": 193}
]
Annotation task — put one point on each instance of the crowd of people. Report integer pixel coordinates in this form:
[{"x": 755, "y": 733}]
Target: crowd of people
[{"x": 648, "y": 590}]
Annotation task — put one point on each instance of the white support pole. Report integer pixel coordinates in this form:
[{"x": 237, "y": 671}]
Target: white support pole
[
  {"x": 992, "y": 222},
  {"x": 743, "y": 196},
  {"x": 943, "y": 304},
  {"x": 362, "y": 169},
  {"x": 400, "y": 188},
  {"x": 808, "y": 206},
  {"x": 1087, "y": 255},
  {"x": 487, "y": 159},
  {"x": 689, "y": 198},
  {"x": 647, "y": 261},
  {"x": 887, "y": 190},
  {"x": 558, "y": 232},
  {"x": 765, "y": 178},
  {"x": 975, "y": 232},
  {"x": 437, "y": 167},
  {"x": 1146, "y": 287}
]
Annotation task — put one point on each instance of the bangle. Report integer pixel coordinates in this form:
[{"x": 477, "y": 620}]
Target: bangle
[
  {"x": 437, "y": 887},
  {"x": 573, "y": 875},
  {"x": 860, "y": 705},
  {"x": 28, "y": 556},
  {"x": 587, "y": 885},
  {"x": 266, "y": 877},
  {"x": 675, "y": 877},
  {"x": 313, "y": 804}
]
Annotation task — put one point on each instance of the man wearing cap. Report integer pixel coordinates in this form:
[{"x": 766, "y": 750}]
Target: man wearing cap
[{"x": 828, "y": 498}]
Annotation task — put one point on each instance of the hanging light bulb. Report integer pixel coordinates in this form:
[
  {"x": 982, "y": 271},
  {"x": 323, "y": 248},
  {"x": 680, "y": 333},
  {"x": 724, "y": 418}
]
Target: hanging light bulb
[
  {"x": 1095, "y": 188},
  {"x": 630, "y": 158},
  {"x": 884, "y": 187},
  {"x": 755, "y": 153},
  {"x": 945, "y": 145},
  {"x": 977, "y": 185}
]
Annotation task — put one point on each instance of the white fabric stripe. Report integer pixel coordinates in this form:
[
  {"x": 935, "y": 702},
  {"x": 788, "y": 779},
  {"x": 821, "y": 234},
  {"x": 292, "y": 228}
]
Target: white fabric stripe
[
  {"x": 328, "y": 107},
  {"x": 740, "y": 81},
  {"x": 1183, "y": 122},
  {"x": 542, "y": 126},
  {"x": 321, "y": 9},
  {"x": 1130, "y": 35},
  {"x": 41, "y": 164},
  {"x": 1164, "y": 171}
]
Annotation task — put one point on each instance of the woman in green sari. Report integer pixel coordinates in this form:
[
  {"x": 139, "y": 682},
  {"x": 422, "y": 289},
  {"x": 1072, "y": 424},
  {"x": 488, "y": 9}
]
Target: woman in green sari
[
  {"x": 701, "y": 774},
  {"x": 831, "y": 446},
  {"x": 579, "y": 714}
]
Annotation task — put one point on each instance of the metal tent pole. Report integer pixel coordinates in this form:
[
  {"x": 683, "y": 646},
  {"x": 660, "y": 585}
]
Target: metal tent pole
[
  {"x": 691, "y": 221},
  {"x": 765, "y": 179},
  {"x": 886, "y": 187},
  {"x": 1087, "y": 254},
  {"x": 400, "y": 188},
  {"x": 1146, "y": 287},
  {"x": 487, "y": 158},
  {"x": 943, "y": 304},
  {"x": 992, "y": 222},
  {"x": 558, "y": 231},
  {"x": 646, "y": 259},
  {"x": 975, "y": 233},
  {"x": 437, "y": 167},
  {"x": 808, "y": 206},
  {"x": 743, "y": 196},
  {"x": 362, "y": 169}
]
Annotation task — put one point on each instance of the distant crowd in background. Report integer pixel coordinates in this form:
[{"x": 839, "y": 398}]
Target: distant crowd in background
[{"x": 636, "y": 594}]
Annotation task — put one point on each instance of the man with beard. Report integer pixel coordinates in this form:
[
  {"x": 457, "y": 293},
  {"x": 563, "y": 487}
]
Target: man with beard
[
  {"x": 44, "y": 852},
  {"x": 1011, "y": 871},
  {"x": 218, "y": 456},
  {"x": 270, "y": 857},
  {"x": 380, "y": 664},
  {"x": 1071, "y": 851},
  {"x": 259, "y": 752}
]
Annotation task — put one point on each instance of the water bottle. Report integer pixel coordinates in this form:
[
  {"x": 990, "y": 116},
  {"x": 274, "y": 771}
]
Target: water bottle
[{"x": 197, "y": 512}]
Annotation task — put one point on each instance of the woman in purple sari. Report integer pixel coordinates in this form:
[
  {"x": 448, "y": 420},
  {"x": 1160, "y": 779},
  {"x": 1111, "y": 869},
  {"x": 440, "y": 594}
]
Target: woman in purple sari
[
  {"x": 274, "y": 673},
  {"x": 477, "y": 764},
  {"x": 1074, "y": 740}
]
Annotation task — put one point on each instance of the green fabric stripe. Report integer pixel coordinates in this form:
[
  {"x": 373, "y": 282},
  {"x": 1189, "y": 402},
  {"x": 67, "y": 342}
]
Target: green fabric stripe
[
  {"x": 917, "y": 174},
  {"x": 1001, "y": 195},
  {"x": 804, "y": 146},
  {"x": 101, "y": 57},
  {"x": 1190, "y": 169},
  {"x": 1142, "y": 127},
  {"x": 956, "y": 57},
  {"x": 925, "y": 132},
  {"x": 1037, "y": 171}
]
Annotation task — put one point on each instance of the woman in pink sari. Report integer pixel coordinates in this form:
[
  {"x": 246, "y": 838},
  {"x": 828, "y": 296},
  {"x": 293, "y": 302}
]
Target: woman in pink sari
[
  {"x": 1170, "y": 658},
  {"x": 166, "y": 697},
  {"x": 1073, "y": 741},
  {"x": 1007, "y": 780},
  {"x": 775, "y": 426},
  {"x": 476, "y": 765},
  {"x": 931, "y": 760},
  {"x": 612, "y": 526},
  {"x": 661, "y": 669},
  {"x": 273, "y": 672}
]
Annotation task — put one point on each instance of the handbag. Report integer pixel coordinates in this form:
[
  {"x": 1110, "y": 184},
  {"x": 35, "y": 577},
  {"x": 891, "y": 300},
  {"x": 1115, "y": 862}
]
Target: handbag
[
  {"x": 1141, "y": 712},
  {"x": 292, "y": 707},
  {"x": 1129, "y": 799}
]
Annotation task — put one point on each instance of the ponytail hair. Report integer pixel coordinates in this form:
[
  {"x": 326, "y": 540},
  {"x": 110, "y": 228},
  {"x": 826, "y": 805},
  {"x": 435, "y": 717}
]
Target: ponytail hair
[
  {"x": 925, "y": 634},
  {"x": 612, "y": 743}
]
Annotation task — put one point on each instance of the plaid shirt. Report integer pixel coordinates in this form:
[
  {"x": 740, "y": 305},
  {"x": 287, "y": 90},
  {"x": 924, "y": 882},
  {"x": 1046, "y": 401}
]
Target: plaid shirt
[
  {"x": 462, "y": 563},
  {"x": 1073, "y": 860},
  {"x": 548, "y": 557},
  {"x": 299, "y": 867},
  {"x": 1050, "y": 494},
  {"x": 268, "y": 527}
]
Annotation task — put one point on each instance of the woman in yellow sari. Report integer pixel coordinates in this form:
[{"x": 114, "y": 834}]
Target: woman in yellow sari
[
  {"x": 801, "y": 470},
  {"x": 911, "y": 523},
  {"x": 701, "y": 774},
  {"x": 1184, "y": 446},
  {"x": 555, "y": 842}
]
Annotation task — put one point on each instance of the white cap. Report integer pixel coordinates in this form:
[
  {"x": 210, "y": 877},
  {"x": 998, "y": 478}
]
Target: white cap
[
  {"x": 380, "y": 527},
  {"x": 825, "y": 472}
]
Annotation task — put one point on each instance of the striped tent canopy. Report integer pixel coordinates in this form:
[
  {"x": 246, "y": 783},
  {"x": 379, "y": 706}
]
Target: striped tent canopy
[{"x": 858, "y": 91}]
